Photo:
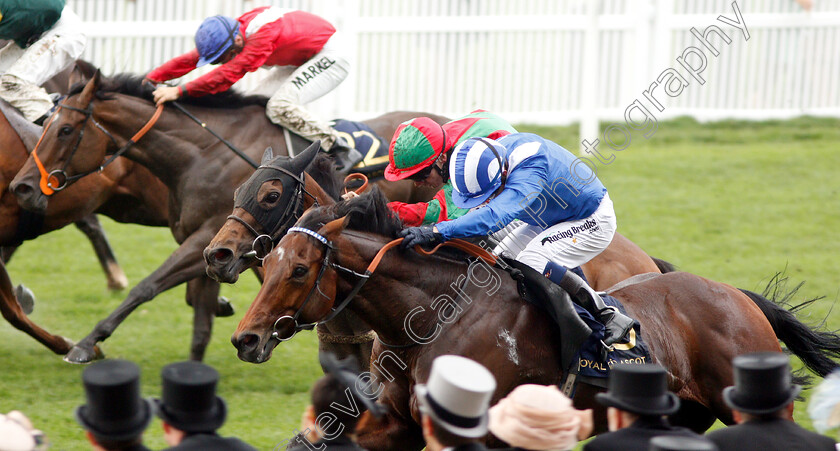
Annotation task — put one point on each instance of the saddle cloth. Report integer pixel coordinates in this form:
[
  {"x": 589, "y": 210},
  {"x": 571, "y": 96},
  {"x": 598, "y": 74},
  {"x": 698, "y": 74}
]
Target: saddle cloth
[{"x": 365, "y": 140}]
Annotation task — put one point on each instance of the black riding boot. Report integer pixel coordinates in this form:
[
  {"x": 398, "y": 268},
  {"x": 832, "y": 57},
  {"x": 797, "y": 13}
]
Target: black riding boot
[
  {"x": 345, "y": 157},
  {"x": 617, "y": 324}
]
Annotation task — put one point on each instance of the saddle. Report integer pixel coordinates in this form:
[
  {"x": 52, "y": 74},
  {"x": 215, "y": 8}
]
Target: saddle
[{"x": 534, "y": 288}]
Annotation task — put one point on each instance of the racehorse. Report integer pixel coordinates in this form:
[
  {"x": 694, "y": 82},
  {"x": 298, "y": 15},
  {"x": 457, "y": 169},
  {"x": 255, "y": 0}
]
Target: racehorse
[
  {"x": 199, "y": 170},
  {"x": 425, "y": 306},
  {"x": 126, "y": 192}
]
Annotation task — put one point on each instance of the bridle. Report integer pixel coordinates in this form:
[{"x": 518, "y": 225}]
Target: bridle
[
  {"x": 264, "y": 242},
  {"x": 60, "y": 176},
  {"x": 329, "y": 249}
]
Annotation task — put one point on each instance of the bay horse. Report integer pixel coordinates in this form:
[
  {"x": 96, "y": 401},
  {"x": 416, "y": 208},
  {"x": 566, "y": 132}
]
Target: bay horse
[
  {"x": 692, "y": 325},
  {"x": 200, "y": 171}
]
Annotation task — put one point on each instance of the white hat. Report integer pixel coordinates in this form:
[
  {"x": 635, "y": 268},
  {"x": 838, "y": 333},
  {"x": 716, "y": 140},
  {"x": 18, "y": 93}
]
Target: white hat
[
  {"x": 16, "y": 433},
  {"x": 457, "y": 395}
]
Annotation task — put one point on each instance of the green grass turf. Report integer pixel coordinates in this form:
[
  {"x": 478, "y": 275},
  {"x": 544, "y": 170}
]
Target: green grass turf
[{"x": 733, "y": 201}]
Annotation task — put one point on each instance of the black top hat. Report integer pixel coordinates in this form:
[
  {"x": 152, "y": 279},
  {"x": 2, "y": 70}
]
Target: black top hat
[
  {"x": 763, "y": 383},
  {"x": 114, "y": 408},
  {"x": 681, "y": 443},
  {"x": 639, "y": 389},
  {"x": 189, "y": 400}
]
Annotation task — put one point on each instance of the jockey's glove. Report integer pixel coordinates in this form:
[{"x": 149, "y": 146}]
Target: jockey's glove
[{"x": 414, "y": 236}]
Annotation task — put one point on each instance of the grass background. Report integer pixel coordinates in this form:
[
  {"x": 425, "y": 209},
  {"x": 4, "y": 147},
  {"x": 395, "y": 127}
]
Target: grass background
[{"x": 733, "y": 201}]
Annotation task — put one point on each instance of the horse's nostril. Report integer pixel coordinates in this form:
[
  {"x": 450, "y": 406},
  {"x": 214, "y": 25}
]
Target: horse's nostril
[
  {"x": 21, "y": 188},
  {"x": 246, "y": 342},
  {"x": 222, "y": 255},
  {"x": 250, "y": 340}
]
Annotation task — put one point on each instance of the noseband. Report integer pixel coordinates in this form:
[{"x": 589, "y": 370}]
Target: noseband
[{"x": 329, "y": 249}]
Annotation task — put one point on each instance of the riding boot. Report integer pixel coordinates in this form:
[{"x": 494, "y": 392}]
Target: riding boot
[
  {"x": 345, "y": 157},
  {"x": 616, "y": 324}
]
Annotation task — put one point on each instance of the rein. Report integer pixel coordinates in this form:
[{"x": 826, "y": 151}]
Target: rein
[
  {"x": 363, "y": 278},
  {"x": 59, "y": 176},
  {"x": 203, "y": 125}
]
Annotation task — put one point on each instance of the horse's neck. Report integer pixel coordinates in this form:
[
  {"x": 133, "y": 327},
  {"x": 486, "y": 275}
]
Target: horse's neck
[
  {"x": 400, "y": 291},
  {"x": 312, "y": 187},
  {"x": 27, "y": 131}
]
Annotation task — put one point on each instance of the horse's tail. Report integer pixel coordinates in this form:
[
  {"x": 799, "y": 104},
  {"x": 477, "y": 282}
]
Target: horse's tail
[
  {"x": 664, "y": 267},
  {"x": 813, "y": 345}
]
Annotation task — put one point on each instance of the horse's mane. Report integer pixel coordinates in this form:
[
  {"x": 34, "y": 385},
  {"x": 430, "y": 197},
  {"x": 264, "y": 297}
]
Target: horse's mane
[
  {"x": 132, "y": 85},
  {"x": 368, "y": 212},
  {"x": 322, "y": 170}
]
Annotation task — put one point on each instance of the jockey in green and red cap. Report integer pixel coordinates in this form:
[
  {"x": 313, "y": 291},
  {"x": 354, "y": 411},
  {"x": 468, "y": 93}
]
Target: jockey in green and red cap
[{"x": 420, "y": 151}]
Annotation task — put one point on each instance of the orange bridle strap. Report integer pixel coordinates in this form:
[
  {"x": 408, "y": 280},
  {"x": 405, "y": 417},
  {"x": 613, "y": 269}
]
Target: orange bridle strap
[{"x": 472, "y": 249}]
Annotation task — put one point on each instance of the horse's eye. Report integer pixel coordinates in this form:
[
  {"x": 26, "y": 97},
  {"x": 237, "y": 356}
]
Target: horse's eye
[
  {"x": 65, "y": 130},
  {"x": 300, "y": 271},
  {"x": 272, "y": 197}
]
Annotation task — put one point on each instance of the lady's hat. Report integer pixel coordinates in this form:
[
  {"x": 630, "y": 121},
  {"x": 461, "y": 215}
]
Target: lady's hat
[
  {"x": 457, "y": 395},
  {"x": 114, "y": 408},
  {"x": 763, "y": 383},
  {"x": 189, "y": 401},
  {"x": 639, "y": 389}
]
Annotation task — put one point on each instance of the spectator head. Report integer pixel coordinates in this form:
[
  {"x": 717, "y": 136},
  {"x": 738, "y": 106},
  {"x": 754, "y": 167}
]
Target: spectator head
[
  {"x": 114, "y": 415},
  {"x": 678, "y": 443},
  {"x": 539, "y": 417},
  {"x": 824, "y": 407},
  {"x": 641, "y": 390},
  {"x": 763, "y": 385},
  {"x": 17, "y": 433},
  {"x": 454, "y": 401},
  {"x": 189, "y": 402}
]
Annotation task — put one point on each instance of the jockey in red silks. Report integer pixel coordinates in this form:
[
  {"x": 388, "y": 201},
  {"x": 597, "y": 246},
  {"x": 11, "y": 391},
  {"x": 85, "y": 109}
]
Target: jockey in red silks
[
  {"x": 419, "y": 152},
  {"x": 567, "y": 216},
  {"x": 302, "y": 51}
]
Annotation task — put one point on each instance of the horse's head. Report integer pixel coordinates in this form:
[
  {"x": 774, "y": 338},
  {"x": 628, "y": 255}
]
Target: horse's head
[
  {"x": 265, "y": 206},
  {"x": 73, "y": 144},
  {"x": 299, "y": 290}
]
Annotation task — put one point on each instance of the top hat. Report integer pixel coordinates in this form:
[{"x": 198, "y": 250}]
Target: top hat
[
  {"x": 114, "y": 408},
  {"x": 763, "y": 383},
  {"x": 457, "y": 395},
  {"x": 639, "y": 389},
  {"x": 346, "y": 372},
  {"x": 189, "y": 400},
  {"x": 681, "y": 443}
]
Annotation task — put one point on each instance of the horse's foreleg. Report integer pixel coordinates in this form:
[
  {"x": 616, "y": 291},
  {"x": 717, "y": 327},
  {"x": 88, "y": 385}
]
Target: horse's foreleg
[
  {"x": 90, "y": 226},
  {"x": 186, "y": 263},
  {"x": 13, "y": 313},
  {"x": 389, "y": 433},
  {"x": 204, "y": 293}
]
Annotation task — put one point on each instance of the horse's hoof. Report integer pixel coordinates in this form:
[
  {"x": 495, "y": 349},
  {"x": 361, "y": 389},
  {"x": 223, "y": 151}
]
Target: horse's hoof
[
  {"x": 26, "y": 298},
  {"x": 79, "y": 355},
  {"x": 117, "y": 280},
  {"x": 224, "y": 308}
]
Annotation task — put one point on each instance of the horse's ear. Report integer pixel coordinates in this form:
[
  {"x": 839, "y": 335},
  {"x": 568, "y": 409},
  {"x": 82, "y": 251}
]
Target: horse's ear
[
  {"x": 82, "y": 72},
  {"x": 268, "y": 155},
  {"x": 90, "y": 88},
  {"x": 304, "y": 159},
  {"x": 334, "y": 228}
]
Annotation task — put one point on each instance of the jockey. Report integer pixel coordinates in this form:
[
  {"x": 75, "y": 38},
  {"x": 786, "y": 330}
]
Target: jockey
[
  {"x": 420, "y": 150},
  {"x": 306, "y": 60},
  {"x": 567, "y": 214},
  {"x": 47, "y": 38}
]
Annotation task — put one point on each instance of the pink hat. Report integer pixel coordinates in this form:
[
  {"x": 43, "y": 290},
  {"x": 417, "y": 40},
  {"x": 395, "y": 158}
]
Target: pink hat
[
  {"x": 538, "y": 417},
  {"x": 17, "y": 434}
]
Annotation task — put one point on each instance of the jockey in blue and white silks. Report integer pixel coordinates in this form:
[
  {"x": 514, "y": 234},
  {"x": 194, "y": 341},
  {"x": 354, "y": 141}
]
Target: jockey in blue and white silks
[{"x": 567, "y": 215}]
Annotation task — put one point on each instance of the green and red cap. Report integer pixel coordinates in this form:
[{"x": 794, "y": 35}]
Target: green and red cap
[{"x": 416, "y": 145}]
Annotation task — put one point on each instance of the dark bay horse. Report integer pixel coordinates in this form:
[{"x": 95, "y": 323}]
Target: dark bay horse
[
  {"x": 200, "y": 172},
  {"x": 422, "y": 307}
]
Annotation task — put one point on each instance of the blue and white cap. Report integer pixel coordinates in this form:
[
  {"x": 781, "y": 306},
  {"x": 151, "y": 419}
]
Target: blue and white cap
[
  {"x": 477, "y": 167},
  {"x": 214, "y": 36}
]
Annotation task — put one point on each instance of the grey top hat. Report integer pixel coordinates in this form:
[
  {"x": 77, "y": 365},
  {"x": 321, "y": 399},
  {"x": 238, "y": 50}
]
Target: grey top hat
[
  {"x": 640, "y": 389},
  {"x": 763, "y": 383},
  {"x": 189, "y": 400},
  {"x": 457, "y": 395},
  {"x": 114, "y": 409}
]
